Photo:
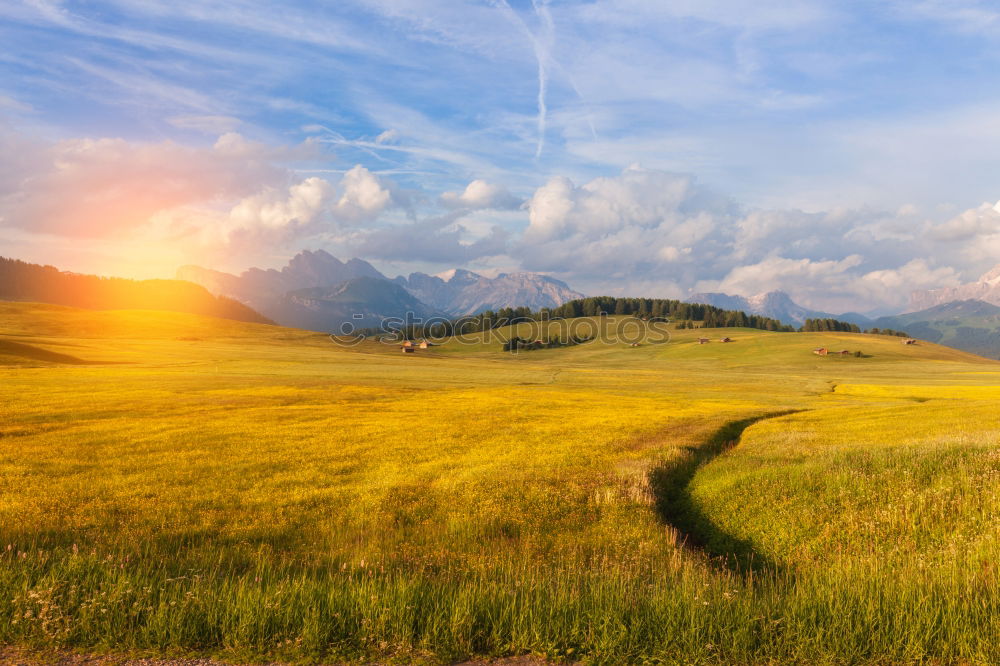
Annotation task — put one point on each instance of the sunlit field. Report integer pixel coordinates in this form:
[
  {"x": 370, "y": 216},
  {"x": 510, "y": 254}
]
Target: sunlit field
[{"x": 171, "y": 484}]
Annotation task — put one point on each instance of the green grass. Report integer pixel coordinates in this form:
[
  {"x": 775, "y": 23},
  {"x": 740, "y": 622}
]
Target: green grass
[{"x": 202, "y": 486}]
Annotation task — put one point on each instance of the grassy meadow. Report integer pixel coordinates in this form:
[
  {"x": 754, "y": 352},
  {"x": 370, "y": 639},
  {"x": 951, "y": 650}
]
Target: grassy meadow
[{"x": 172, "y": 484}]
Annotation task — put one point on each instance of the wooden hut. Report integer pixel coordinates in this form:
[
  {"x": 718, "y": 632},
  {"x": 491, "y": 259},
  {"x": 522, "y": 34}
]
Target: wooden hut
[
  {"x": 702, "y": 341},
  {"x": 726, "y": 340},
  {"x": 821, "y": 351}
]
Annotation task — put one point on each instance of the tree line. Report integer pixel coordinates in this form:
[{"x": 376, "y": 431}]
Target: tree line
[
  {"x": 888, "y": 331},
  {"x": 821, "y": 325},
  {"x": 648, "y": 309}
]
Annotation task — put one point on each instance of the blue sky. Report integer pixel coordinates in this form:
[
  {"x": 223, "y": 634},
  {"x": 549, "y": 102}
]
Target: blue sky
[{"x": 839, "y": 150}]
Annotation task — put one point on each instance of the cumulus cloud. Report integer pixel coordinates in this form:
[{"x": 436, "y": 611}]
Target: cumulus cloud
[
  {"x": 102, "y": 187},
  {"x": 655, "y": 228},
  {"x": 777, "y": 272},
  {"x": 235, "y": 191},
  {"x": 363, "y": 195},
  {"x": 971, "y": 224},
  {"x": 271, "y": 210},
  {"x": 278, "y": 215},
  {"x": 442, "y": 239},
  {"x": 642, "y": 231},
  {"x": 628, "y": 225},
  {"x": 479, "y": 195}
]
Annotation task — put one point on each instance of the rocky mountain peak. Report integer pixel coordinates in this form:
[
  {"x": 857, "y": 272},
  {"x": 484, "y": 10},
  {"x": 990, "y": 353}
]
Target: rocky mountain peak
[
  {"x": 992, "y": 276},
  {"x": 774, "y": 304},
  {"x": 987, "y": 289}
]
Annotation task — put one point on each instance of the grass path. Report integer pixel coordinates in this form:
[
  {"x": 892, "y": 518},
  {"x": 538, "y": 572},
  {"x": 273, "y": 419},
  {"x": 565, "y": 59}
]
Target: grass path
[{"x": 670, "y": 484}]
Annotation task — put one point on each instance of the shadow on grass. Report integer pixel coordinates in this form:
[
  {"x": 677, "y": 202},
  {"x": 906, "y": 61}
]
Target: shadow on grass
[
  {"x": 32, "y": 353},
  {"x": 671, "y": 483}
]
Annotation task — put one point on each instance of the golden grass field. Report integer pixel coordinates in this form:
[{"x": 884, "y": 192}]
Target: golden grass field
[{"x": 171, "y": 484}]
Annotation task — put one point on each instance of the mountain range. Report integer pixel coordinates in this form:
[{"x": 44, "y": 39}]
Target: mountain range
[
  {"x": 318, "y": 291},
  {"x": 776, "y": 305},
  {"x": 986, "y": 289},
  {"x": 460, "y": 292},
  {"x": 971, "y": 325}
]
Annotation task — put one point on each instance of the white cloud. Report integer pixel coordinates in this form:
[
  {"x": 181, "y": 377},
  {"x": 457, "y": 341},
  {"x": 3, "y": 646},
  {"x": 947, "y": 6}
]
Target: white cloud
[
  {"x": 893, "y": 286},
  {"x": 974, "y": 16},
  {"x": 107, "y": 186},
  {"x": 971, "y": 224},
  {"x": 479, "y": 195},
  {"x": 643, "y": 229},
  {"x": 651, "y": 228},
  {"x": 363, "y": 196},
  {"x": 268, "y": 210},
  {"x": 279, "y": 215},
  {"x": 388, "y": 136}
]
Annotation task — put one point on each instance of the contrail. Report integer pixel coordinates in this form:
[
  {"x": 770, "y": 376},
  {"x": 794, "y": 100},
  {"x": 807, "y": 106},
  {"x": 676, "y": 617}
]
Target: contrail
[
  {"x": 543, "y": 52},
  {"x": 541, "y": 49}
]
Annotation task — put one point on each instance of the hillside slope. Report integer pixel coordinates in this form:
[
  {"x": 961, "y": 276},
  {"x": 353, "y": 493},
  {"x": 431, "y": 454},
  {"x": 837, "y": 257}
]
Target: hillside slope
[
  {"x": 970, "y": 325},
  {"x": 21, "y": 281}
]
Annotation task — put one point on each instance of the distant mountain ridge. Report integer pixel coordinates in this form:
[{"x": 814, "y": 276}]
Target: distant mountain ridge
[
  {"x": 282, "y": 294},
  {"x": 306, "y": 270},
  {"x": 776, "y": 305},
  {"x": 986, "y": 289},
  {"x": 22, "y": 281},
  {"x": 362, "y": 302},
  {"x": 467, "y": 293},
  {"x": 970, "y": 325}
]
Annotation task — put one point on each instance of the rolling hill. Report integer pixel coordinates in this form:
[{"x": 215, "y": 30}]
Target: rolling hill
[
  {"x": 970, "y": 325},
  {"x": 22, "y": 281}
]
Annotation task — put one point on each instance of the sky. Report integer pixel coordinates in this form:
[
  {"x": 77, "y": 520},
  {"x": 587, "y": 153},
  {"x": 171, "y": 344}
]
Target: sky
[{"x": 846, "y": 152}]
